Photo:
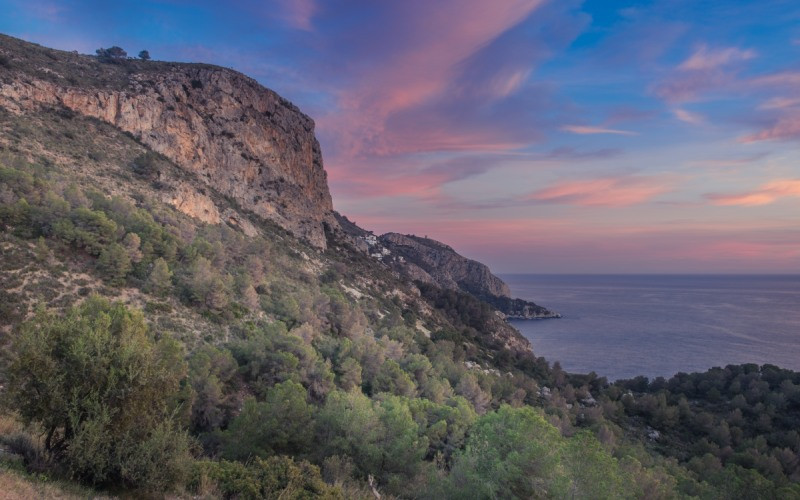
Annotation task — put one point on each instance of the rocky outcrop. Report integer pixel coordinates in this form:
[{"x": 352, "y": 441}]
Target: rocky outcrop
[
  {"x": 433, "y": 262},
  {"x": 519, "y": 308},
  {"x": 241, "y": 139}
]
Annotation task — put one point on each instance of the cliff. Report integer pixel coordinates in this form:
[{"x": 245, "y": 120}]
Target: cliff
[
  {"x": 433, "y": 262},
  {"x": 241, "y": 139}
]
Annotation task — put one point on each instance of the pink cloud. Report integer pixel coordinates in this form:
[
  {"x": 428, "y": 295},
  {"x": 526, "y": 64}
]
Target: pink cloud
[
  {"x": 767, "y": 194},
  {"x": 705, "y": 70},
  {"x": 298, "y": 13},
  {"x": 585, "y": 129},
  {"x": 688, "y": 116},
  {"x": 729, "y": 162},
  {"x": 782, "y": 79},
  {"x": 611, "y": 191},
  {"x": 436, "y": 37},
  {"x": 781, "y": 103},
  {"x": 785, "y": 128},
  {"x": 704, "y": 58}
]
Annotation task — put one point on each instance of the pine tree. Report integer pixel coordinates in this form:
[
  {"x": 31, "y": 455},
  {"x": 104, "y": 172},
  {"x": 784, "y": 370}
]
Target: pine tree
[
  {"x": 160, "y": 280},
  {"x": 42, "y": 251},
  {"x": 115, "y": 263}
]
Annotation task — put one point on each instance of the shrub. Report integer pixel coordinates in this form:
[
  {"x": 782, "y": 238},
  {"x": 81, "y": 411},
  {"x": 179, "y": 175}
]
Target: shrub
[
  {"x": 275, "y": 477},
  {"x": 147, "y": 164},
  {"x": 104, "y": 392}
]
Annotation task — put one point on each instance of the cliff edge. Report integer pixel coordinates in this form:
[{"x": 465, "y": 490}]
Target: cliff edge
[
  {"x": 433, "y": 262},
  {"x": 241, "y": 139}
]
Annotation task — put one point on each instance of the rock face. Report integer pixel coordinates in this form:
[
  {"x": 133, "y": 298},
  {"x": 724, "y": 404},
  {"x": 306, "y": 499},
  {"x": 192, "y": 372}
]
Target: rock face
[
  {"x": 243, "y": 140},
  {"x": 433, "y": 262},
  {"x": 429, "y": 261}
]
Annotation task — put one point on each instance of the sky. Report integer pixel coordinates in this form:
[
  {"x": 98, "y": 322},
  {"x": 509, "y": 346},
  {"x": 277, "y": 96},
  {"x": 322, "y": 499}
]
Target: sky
[{"x": 536, "y": 136}]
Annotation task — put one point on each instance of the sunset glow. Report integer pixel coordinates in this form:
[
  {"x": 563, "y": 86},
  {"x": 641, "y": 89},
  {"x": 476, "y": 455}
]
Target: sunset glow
[{"x": 535, "y": 136}]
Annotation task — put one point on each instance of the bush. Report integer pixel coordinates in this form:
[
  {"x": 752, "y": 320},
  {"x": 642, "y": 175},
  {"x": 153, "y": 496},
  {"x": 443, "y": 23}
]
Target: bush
[
  {"x": 104, "y": 392},
  {"x": 275, "y": 477},
  {"x": 147, "y": 165}
]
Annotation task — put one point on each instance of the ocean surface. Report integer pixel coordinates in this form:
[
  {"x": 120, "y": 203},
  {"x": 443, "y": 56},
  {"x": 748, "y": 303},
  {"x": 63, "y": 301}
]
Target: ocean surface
[{"x": 621, "y": 326}]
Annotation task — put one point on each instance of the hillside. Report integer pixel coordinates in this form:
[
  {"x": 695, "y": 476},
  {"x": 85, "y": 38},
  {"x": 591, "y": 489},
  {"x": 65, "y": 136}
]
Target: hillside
[{"x": 173, "y": 323}]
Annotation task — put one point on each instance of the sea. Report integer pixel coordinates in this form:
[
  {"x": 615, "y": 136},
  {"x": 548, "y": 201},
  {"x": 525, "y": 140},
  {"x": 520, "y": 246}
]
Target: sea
[{"x": 621, "y": 326}]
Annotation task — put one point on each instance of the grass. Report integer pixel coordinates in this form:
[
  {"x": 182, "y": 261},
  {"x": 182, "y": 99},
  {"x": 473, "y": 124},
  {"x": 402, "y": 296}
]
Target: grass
[
  {"x": 17, "y": 485},
  {"x": 16, "y": 482}
]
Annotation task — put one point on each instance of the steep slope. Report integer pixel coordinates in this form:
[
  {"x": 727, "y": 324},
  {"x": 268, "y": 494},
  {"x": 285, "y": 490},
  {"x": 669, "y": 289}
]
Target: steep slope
[
  {"x": 240, "y": 138},
  {"x": 433, "y": 262}
]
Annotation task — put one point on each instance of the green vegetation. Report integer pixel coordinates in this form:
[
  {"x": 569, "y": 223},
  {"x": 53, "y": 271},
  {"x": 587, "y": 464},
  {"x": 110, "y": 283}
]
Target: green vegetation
[
  {"x": 104, "y": 393},
  {"x": 247, "y": 367},
  {"x": 111, "y": 54},
  {"x": 735, "y": 427}
]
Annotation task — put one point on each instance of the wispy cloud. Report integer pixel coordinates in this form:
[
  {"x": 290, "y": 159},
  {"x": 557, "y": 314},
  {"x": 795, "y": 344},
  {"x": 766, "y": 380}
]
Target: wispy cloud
[
  {"x": 688, "y": 116},
  {"x": 610, "y": 191},
  {"x": 707, "y": 69},
  {"x": 765, "y": 195},
  {"x": 729, "y": 162},
  {"x": 781, "y": 79},
  {"x": 587, "y": 130},
  {"x": 299, "y": 13},
  {"x": 705, "y": 58},
  {"x": 786, "y": 128},
  {"x": 780, "y": 103}
]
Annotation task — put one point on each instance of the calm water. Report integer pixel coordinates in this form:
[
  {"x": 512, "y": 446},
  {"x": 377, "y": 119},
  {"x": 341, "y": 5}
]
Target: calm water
[{"x": 621, "y": 326}]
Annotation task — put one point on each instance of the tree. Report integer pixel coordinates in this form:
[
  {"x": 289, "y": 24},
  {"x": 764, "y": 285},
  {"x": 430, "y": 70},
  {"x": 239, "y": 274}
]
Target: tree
[
  {"x": 104, "y": 392},
  {"x": 212, "y": 374},
  {"x": 593, "y": 472},
  {"x": 382, "y": 439},
  {"x": 160, "y": 280},
  {"x": 132, "y": 243},
  {"x": 115, "y": 263},
  {"x": 281, "y": 424},
  {"x": 206, "y": 287},
  {"x": 469, "y": 387},
  {"x": 41, "y": 251},
  {"x": 510, "y": 453},
  {"x": 111, "y": 54},
  {"x": 144, "y": 55}
]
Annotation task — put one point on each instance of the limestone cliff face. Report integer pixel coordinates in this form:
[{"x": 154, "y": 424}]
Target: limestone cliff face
[
  {"x": 433, "y": 262},
  {"x": 241, "y": 139}
]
